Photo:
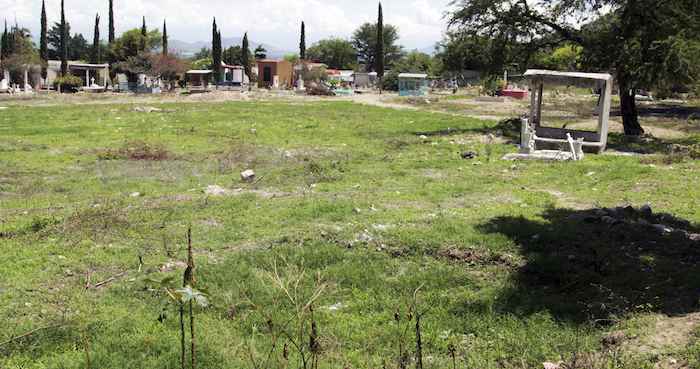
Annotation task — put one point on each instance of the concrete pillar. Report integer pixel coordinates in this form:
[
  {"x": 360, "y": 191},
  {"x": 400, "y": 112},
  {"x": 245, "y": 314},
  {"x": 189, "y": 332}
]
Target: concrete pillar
[{"x": 87, "y": 77}]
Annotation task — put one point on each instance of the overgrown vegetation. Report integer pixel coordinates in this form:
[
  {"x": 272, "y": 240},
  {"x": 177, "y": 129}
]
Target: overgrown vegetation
[{"x": 317, "y": 262}]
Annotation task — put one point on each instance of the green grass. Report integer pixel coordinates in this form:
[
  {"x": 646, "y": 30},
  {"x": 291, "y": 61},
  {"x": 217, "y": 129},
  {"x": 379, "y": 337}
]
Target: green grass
[{"x": 348, "y": 194}]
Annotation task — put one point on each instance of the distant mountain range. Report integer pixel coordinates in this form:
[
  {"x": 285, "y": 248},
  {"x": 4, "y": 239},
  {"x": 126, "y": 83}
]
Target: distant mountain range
[{"x": 191, "y": 48}]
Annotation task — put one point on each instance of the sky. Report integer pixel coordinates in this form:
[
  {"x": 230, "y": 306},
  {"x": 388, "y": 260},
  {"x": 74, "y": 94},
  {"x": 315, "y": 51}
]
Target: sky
[{"x": 274, "y": 22}]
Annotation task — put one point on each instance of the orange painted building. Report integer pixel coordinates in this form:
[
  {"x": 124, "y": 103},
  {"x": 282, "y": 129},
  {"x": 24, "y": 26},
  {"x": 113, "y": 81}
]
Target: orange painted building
[{"x": 275, "y": 73}]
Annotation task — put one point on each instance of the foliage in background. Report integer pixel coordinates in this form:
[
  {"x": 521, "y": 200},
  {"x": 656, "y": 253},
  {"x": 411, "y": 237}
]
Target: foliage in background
[
  {"x": 364, "y": 39},
  {"x": 336, "y": 53}
]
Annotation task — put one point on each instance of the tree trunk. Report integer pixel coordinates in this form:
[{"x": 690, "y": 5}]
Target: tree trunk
[{"x": 628, "y": 110}]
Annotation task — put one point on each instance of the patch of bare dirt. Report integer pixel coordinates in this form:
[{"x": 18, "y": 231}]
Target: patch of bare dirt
[{"x": 667, "y": 334}]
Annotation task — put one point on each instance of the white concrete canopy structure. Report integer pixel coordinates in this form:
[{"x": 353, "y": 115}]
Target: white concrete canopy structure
[{"x": 535, "y": 132}]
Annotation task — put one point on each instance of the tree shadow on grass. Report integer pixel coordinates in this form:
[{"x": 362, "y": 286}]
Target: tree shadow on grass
[
  {"x": 647, "y": 144},
  {"x": 603, "y": 263}
]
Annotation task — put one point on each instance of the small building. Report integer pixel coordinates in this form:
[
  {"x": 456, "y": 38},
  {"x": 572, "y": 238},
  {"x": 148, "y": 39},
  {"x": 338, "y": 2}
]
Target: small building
[
  {"x": 95, "y": 77},
  {"x": 198, "y": 79},
  {"x": 233, "y": 77},
  {"x": 275, "y": 73},
  {"x": 413, "y": 84},
  {"x": 361, "y": 80}
]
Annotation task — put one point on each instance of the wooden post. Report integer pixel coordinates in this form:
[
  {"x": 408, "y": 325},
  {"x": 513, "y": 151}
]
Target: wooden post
[{"x": 604, "y": 116}]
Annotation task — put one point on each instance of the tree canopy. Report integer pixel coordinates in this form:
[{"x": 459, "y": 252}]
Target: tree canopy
[
  {"x": 645, "y": 42},
  {"x": 364, "y": 40},
  {"x": 337, "y": 53}
]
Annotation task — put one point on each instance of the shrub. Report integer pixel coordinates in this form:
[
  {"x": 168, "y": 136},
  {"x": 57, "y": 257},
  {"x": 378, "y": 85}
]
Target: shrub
[
  {"x": 390, "y": 82},
  {"x": 68, "y": 83},
  {"x": 491, "y": 86},
  {"x": 136, "y": 150}
]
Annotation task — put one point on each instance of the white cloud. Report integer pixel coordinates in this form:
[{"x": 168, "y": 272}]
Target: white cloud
[{"x": 275, "y": 22}]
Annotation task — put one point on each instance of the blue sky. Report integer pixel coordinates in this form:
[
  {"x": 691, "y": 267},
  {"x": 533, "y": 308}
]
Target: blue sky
[{"x": 275, "y": 22}]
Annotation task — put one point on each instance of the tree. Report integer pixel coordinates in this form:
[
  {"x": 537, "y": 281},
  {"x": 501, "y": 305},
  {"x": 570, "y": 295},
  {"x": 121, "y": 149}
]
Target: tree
[
  {"x": 64, "y": 41},
  {"x": 461, "y": 52},
  {"x": 112, "y": 35},
  {"x": 645, "y": 42},
  {"x": 77, "y": 46},
  {"x": 245, "y": 56},
  {"x": 379, "y": 48},
  {"x": 260, "y": 52},
  {"x": 169, "y": 68},
  {"x": 334, "y": 52},
  {"x": 4, "y": 44},
  {"x": 43, "y": 42},
  {"x": 364, "y": 40},
  {"x": 165, "y": 38},
  {"x": 130, "y": 42},
  {"x": 96, "y": 57},
  {"x": 302, "y": 43},
  {"x": 203, "y": 53},
  {"x": 144, "y": 35},
  {"x": 216, "y": 51}
]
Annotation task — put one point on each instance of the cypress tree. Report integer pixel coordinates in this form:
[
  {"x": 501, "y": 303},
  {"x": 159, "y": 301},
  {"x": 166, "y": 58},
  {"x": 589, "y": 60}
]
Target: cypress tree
[
  {"x": 111, "y": 22},
  {"x": 144, "y": 35},
  {"x": 216, "y": 51},
  {"x": 165, "y": 38},
  {"x": 43, "y": 41},
  {"x": 64, "y": 41},
  {"x": 3, "y": 44},
  {"x": 302, "y": 43},
  {"x": 95, "y": 55},
  {"x": 245, "y": 56},
  {"x": 379, "y": 57}
]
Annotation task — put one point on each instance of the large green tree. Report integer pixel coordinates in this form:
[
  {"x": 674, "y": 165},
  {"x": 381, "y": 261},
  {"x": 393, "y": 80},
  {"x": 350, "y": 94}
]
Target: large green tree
[
  {"x": 77, "y": 45},
  {"x": 130, "y": 42},
  {"x": 364, "y": 39},
  {"x": 644, "y": 42},
  {"x": 336, "y": 53}
]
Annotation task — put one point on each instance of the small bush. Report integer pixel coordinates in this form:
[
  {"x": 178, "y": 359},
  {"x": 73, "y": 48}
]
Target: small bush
[
  {"x": 68, "y": 83},
  {"x": 492, "y": 85},
  {"x": 136, "y": 150}
]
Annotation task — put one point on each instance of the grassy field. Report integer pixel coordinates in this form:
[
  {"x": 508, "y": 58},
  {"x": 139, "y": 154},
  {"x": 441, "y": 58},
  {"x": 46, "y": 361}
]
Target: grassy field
[{"x": 370, "y": 213}]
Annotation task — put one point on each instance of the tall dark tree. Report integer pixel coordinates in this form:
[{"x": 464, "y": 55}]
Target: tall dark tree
[
  {"x": 4, "y": 44},
  {"x": 165, "y": 38},
  {"x": 112, "y": 35},
  {"x": 144, "y": 35},
  {"x": 95, "y": 53},
  {"x": 302, "y": 43},
  {"x": 245, "y": 56},
  {"x": 43, "y": 41},
  {"x": 379, "y": 56},
  {"x": 64, "y": 41},
  {"x": 216, "y": 51}
]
